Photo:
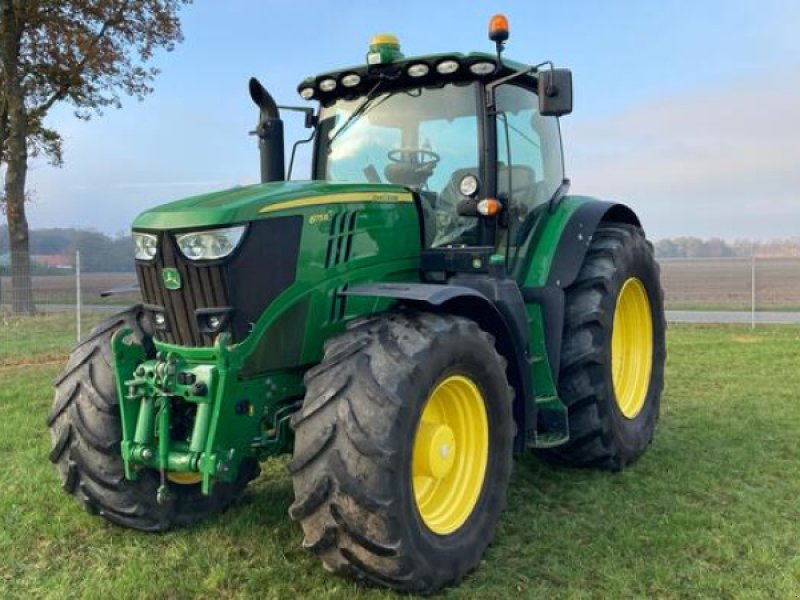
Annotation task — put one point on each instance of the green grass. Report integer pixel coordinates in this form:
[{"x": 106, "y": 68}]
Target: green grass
[
  {"x": 710, "y": 511},
  {"x": 41, "y": 338}
]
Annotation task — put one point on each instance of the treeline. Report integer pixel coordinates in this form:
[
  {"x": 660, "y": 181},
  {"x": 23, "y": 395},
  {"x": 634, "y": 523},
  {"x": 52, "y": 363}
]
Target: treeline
[
  {"x": 100, "y": 253},
  {"x": 692, "y": 247}
]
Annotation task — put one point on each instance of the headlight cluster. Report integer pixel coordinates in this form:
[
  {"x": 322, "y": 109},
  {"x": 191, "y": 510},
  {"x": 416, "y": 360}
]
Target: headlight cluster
[
  {"x": 144, "y": 246},
  {"x": 212, "y": 244},
  {"x": 414, "y": 70}
]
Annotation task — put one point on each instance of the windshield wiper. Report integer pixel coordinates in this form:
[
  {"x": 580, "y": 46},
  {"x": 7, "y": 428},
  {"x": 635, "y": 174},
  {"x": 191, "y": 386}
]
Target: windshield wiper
[{"x": 362, "y": 108}]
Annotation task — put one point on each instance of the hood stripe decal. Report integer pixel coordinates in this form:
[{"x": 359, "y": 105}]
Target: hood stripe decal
[{"x": 345, "y": 198}]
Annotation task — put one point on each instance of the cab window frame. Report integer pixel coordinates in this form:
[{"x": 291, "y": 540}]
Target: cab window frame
[
  {"x": 528, "y": 84},
  {"x": 486, "y": 228}
]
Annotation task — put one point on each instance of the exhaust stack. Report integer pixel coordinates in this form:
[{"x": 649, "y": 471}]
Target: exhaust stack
[{"x": 269, "y": 132}]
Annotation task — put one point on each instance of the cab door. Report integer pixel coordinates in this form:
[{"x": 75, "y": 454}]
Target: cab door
[{"x": 529, "y": 165}]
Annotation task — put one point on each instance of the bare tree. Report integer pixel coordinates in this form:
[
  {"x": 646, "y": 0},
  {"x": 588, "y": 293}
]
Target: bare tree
[{"x": 88, "y": 53}]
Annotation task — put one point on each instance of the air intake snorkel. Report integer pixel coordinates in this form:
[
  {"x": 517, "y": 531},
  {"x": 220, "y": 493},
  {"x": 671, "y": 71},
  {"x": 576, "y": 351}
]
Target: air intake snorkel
[{"x": 270, "y": 133}]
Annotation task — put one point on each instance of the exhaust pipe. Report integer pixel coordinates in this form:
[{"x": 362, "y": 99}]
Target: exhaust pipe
[{"x": 269, "y": 132}]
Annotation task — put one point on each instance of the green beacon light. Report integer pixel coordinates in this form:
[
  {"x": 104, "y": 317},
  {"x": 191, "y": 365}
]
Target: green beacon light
[{"x": 384, "y": 48}]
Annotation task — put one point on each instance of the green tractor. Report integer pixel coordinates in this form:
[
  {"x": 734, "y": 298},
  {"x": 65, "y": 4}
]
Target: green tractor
[{"x": 429, "y": 305}]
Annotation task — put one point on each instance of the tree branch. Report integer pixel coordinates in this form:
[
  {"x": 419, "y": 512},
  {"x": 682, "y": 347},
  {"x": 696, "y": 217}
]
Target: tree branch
[{"x": 62, "y": 91}]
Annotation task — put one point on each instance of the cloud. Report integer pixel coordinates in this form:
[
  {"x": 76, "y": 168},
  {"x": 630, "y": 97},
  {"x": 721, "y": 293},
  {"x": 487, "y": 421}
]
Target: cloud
[{"x": 722, "y": 161}]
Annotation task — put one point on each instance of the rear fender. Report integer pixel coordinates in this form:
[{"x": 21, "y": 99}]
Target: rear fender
[{"x": 573, "y": 244}]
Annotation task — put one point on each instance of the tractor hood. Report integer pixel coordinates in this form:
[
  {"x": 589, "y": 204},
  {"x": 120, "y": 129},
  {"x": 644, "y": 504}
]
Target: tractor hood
[{"x": 248, "y": 203}]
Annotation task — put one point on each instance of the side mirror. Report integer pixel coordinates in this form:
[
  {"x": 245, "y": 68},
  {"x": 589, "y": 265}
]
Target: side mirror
[{"x": 555, "y": 92}]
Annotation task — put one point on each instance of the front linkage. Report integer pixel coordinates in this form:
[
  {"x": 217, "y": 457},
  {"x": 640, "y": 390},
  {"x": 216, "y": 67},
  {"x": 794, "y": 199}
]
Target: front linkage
[{"x": 188, "y": 415}]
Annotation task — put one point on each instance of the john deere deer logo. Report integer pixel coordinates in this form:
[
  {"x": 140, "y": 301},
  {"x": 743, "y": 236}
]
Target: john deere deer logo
[{"x": 171, "y": 278}]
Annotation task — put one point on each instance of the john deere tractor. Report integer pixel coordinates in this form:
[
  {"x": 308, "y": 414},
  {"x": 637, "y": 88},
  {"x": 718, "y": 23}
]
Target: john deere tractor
[{"x": 430, "y": 304}]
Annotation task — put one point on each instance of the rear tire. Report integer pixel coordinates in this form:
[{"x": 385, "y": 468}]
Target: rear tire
[
  {"x": 610, "y": 428},
  {"x": 85, "y": 427},
  {"x": 358, "y": 496}
]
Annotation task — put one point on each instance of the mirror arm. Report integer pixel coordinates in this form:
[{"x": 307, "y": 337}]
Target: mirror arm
[
  {"x": 310, "y": 118},
  {"x": 549, "y": 91},
  {"x": 490, "y": 87},
  {"x": 296, "y": 145}
]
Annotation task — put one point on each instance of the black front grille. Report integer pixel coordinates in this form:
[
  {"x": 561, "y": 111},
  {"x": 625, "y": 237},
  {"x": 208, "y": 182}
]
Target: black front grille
[
  {"x": 201, "y": 287},
  {"x": 261, "y": 268}
]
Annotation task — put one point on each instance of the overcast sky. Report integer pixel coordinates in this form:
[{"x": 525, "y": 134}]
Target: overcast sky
[{"x": 687, "y": 111}]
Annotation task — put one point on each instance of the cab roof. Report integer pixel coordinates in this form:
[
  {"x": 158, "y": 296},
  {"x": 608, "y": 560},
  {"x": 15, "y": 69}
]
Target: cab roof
[{"x": 396, "y": 75}]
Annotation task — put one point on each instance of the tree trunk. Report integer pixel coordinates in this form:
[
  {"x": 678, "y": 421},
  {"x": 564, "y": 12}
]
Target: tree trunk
[
  {"x": 16, "y": 175},
  {"x": 16, "y": 161},
  {"x": 3, "y": 136},
  {"x": 21, "y": 288}
]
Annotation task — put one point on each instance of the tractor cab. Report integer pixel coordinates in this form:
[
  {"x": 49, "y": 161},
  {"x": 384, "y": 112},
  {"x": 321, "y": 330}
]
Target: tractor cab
[{"x": 465, "y": 133}]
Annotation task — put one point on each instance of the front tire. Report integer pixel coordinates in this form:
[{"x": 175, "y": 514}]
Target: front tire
[
  {"x": 403, "y": 451},
  {"x": 613, "y": 352},
  {"x": 85, "y": 427}
]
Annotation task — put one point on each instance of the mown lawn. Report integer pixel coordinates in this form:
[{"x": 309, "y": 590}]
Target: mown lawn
[
  {"x": 713, "y": 510},
  {"x": 42, "y": 338}
]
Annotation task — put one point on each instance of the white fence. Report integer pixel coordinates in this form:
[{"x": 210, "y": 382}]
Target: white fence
[
  {"x": 67, "y": 289},
  {"x": 732, "y": 283},
  {"x": 714, "y": 287}
]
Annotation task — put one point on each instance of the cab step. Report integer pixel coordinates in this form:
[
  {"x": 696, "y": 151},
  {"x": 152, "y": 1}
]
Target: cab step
[{"x": 553, "y": 423}]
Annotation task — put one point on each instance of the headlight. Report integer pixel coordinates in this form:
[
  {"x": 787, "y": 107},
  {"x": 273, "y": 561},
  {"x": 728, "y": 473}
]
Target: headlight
[
  {"x": 210, "y": 245},
  {"x": 468, "y": 186},
  {"x": 144, "y": 246}
]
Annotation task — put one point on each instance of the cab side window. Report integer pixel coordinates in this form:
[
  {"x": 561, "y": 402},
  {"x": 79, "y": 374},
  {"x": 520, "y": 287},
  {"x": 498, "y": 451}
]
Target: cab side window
[{"x": 529, "y": 163}]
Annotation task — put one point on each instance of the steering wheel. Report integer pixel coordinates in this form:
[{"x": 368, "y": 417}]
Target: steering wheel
[{"x": 425, "y": 158}]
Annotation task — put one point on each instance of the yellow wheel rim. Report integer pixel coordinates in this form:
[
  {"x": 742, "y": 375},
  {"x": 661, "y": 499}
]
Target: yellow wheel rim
[
  {"x": 632, "y": 348},
  {"x": 450, "y": 453},
  {"x": 188, "y": 478},
  {"x": 182, "y": 477}
]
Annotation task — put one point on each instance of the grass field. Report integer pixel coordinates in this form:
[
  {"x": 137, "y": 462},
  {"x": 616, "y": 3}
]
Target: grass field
[
  {"x": 711, "y": 511},
  {"x": 726, "y": 284}
]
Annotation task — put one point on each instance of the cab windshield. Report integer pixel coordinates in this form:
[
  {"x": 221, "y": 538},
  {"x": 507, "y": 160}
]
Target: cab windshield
[{"x": 423, "y": 138}]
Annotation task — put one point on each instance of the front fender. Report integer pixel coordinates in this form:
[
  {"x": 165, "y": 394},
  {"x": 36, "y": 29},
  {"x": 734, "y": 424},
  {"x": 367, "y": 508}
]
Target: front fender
[{"x": 470, "y": 303}]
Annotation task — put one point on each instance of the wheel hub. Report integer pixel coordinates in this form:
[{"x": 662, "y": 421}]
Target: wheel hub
[
  {"x": 450, "y": 454},
  {"x": 632, "y": 348},
  {"x": 435, "y": 450}
]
